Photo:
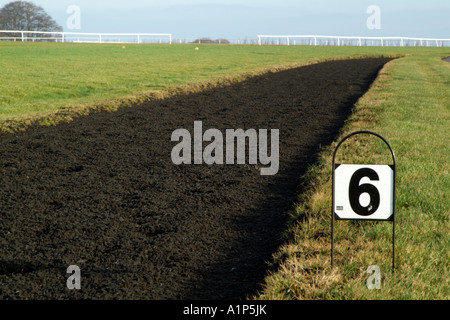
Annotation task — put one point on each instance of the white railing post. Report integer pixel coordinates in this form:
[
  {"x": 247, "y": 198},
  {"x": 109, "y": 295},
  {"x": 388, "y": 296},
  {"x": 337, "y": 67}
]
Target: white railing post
[
  {"x": 315, "y": 40},
  {"x": 352, "y": 40}
]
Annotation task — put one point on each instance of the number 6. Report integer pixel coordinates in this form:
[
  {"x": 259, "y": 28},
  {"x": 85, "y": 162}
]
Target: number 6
[{"x": 355, "y": 190}]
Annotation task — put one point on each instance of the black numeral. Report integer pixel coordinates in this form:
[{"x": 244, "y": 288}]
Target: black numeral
[{"x": 355, "y": 190}]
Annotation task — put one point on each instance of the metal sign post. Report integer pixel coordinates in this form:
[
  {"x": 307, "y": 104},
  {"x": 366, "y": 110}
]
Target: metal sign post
[{"x": 363, "y": 192}]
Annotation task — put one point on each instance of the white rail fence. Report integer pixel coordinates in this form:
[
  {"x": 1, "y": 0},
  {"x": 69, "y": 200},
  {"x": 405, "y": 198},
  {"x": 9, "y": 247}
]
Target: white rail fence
[
  {"x": 306, "y": 40},
  {"x": 315, "y": 40},
  {"x": 45, "y": 36}
]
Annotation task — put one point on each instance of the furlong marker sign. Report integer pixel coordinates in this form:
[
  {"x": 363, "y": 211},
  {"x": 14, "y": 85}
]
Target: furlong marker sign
[{"x": 364, "y": 192}]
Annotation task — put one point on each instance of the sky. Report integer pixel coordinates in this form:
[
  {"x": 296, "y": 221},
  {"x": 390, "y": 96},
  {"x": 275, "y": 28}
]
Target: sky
[{"x": 245, "y": 19}]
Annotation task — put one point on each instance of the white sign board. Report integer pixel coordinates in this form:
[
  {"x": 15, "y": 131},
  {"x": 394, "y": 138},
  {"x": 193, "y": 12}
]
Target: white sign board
[{"x": 363, "y": 192}]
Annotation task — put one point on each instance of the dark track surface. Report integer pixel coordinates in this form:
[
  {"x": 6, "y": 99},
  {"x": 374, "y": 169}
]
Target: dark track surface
[{"x": 102, "y": 192}]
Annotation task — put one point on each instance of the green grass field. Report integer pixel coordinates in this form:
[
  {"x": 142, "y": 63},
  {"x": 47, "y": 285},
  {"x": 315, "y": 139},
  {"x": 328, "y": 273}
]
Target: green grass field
[
  {"x": 408, "y": 104},
  {"x": 40, "y": 79}
]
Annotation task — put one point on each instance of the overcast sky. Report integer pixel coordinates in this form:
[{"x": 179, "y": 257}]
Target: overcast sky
[{"x": 239, "y": 19}]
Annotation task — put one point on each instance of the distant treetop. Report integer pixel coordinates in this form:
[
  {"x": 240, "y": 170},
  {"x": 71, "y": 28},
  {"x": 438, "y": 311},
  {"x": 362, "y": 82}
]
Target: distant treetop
[
  {"x": 208, "y": 40},
  {"x": 26, "y": 16}
]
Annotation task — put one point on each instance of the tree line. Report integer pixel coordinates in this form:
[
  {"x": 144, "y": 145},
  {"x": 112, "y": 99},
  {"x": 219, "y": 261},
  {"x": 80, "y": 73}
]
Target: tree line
[{"x": 26, "y": 16}]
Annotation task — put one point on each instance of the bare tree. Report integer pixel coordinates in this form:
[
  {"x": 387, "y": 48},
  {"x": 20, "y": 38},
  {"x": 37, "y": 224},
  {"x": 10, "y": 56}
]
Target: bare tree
[{"x": 26, "y": 16}]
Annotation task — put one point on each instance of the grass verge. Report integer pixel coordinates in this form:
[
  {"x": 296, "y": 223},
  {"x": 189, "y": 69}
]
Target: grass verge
[{"x": 409, "y": 105}]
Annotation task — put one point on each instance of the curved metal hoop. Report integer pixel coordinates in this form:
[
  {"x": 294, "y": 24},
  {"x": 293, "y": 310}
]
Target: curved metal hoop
[{"x": 364, "y": 132}]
